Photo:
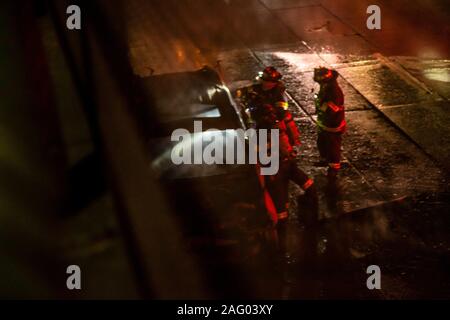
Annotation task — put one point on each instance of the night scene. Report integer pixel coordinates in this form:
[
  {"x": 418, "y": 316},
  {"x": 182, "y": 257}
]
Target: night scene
[{"x": 225, "y": 149}]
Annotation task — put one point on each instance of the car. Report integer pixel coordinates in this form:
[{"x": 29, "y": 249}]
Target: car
[{"x": 217, "y": 204}]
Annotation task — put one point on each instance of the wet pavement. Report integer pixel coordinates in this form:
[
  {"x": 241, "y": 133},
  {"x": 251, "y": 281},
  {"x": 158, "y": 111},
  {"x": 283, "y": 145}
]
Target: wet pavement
[
  {"x": 392, "y": 156},
  {"x": 392, "y": 208}
]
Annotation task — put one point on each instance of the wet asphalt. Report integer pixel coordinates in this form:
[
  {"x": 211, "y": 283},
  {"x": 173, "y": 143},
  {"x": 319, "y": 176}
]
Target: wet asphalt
[{"x": 392, "y": 206}]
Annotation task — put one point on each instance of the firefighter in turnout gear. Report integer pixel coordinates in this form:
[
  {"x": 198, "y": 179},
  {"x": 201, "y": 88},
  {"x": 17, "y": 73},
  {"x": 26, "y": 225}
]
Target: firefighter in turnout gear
[
  {"x": 268, "y": 89},
  {"x": 277, "y": 185},
  {"x": 331, "y": 123}
]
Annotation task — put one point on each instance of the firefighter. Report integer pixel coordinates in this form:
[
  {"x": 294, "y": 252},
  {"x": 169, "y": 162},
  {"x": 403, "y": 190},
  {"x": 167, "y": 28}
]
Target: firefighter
[
  {"x": 268, "y": 89},
  {"x": 277, "y": 185},
  {"x": 331, "y": 123}
]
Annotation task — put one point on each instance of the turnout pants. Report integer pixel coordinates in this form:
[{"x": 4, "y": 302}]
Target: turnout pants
[
  {"x": 329, "y": 145},
  {"x": 278, "y": 188}
]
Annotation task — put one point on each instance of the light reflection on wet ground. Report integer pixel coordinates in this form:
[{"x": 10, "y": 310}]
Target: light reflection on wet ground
[
  {"x": 388, "y": 210},
  {"x": 381, "y": 164}
]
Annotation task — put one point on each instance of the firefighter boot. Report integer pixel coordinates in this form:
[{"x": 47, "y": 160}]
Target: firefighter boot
[
  {"x": 332, "y": 174},
  {"x": 282, "y": 237},
  {"x": 282, "y": 257},
  {"x": 333, "y": 192},
  {"x": 308, "y": 205},
  {"x": 332, "y": 179},
  {"x": 309, "y": 212},
  {"x": 321, "y": 163}
]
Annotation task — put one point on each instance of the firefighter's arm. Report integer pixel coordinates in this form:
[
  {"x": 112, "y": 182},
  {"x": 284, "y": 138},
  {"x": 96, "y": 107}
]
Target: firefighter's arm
[
  {"x": 323, "y": 107},
  {"x": 328, "y": 105},
  {"x": 282, "y": 104},
  {"x": 320, "y": 106},
  {"x": 333, "y": 107},
  {"x": 292, "y": 129},
  {"x": 286, "y": 149},
  {"x": 283, "y": 99},
  {"x": 241, "y": 93},
  {"x": 244, "y": 96}
]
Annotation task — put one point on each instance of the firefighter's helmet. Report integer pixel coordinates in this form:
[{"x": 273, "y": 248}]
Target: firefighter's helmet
[
  {"x": 323, "y": 74},
  {"x": 270, "y": 74}
]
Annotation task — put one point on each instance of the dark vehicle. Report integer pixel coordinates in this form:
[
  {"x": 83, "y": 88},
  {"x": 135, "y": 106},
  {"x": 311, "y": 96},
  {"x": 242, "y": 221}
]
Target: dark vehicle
[{"x": 218, "y": 205}]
